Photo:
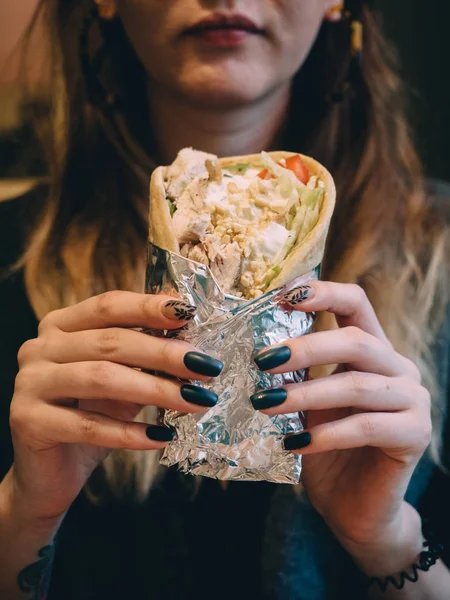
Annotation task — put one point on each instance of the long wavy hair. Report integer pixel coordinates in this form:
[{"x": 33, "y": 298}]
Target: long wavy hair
[{"x": 91, "y": 235}]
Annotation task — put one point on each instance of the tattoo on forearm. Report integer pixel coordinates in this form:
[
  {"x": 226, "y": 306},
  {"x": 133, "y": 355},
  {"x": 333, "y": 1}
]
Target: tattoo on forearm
[{"x": 35, "y": 578}]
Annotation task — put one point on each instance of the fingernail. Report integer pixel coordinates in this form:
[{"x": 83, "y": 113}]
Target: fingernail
[
  {"x": 160, "y": 434},
  {"x": 297, "y": 441},
  {"x": 198, "y": 395},
  {"x": 272, "y": 358},
  {"x": 268, "y": 398},
  {"x": 202, "y": 364},
  {"x": 179, "y": 311},
  {"x": 299, "y": 295}
]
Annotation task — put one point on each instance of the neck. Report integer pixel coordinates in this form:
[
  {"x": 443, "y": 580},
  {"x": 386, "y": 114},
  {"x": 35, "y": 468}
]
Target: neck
[{"x": 225, "y": 132}]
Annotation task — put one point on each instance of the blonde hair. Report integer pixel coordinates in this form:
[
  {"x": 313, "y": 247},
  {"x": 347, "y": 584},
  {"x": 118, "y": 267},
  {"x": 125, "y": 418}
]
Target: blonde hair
[{"x": 91, "y": 236}]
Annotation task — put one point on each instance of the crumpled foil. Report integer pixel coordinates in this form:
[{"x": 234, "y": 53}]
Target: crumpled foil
[{"x": 231, "y": 440}]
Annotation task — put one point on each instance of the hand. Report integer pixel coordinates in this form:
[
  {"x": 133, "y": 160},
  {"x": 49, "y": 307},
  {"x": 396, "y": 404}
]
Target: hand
[
  {"x": 80, "y": 387},
  {"x": 368, "y": 423}
]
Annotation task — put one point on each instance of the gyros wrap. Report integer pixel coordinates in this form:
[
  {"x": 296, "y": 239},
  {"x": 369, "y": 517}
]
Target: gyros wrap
[{"x": 231, "y": 236}]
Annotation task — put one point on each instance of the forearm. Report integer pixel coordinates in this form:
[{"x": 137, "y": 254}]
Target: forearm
[{"x": 26, "y": 548}]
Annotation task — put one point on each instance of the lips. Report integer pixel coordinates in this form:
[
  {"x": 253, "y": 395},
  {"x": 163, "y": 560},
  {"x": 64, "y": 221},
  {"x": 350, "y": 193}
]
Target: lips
[{"x": 220, "y": 22}]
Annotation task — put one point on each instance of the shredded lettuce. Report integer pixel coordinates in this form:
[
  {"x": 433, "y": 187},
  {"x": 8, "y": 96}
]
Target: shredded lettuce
[
  {"x": 274, "y": 271},
  {"x": 301, "y": 220},
  {"x": 238, "y": 168},
  {"x": 309, "y": 222},
  {"x": 311, "y": 197},
  {"x": 172, "y": 207}
]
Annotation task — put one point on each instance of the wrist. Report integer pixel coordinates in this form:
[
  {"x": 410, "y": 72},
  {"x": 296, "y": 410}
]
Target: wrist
[
  {"x": 395, "y": 548},
  {"x": 16, "y": 510}
]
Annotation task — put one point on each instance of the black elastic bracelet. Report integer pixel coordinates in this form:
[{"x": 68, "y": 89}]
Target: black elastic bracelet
[{"x": 427, "y": 559}]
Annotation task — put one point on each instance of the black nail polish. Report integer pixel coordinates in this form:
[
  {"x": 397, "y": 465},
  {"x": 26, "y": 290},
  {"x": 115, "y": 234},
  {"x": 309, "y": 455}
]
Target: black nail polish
[
  {"x": 198, "y": 395},
  {"x": 270, "y": 359},
  {"x": 160, "y": 434},
  {"x": 297, "y": 441},
  {"x": 268, "y": 398},
  {"x": 203, "y": 364}
]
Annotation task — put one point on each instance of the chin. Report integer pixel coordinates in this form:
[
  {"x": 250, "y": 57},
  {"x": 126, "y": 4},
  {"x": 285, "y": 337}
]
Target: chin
[
  {"x": 224, "y": 87},
  {"x": 221, "y": 96}
]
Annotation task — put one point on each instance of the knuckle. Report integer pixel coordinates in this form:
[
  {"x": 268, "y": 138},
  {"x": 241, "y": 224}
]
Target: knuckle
[
  {"x": 89, "y": 426},
  {"x": 413, "y": 370},
  {"x": 427, "y": 433},
  {"x": 107, "y": 342},
  {"x": 17, "y": 414},
  {"x": 359, "y": 338},
  {"x": 23, "y": 419},
  {"x": 126, "y": 436},
  {"x": 424, "y": 399},
  {"x": 159, "y": 388},
  {"x": 308, "y": 349},
  {"x": 166, "y": 352},
  {"x": 358, "y": 382},
  {"x": 303, "y": 397},
  {"x": 368, "y": 426},
  {"x": 105, "y": 304},
  {"x": 100, "y": 376},
  {"x": 26, "y": 378},
  {"x": 359, "y": 294},
  {"x": 147, "y": 307},
  {"x": 47, "y": 322},
  {"x": 332, "y": 437},
  {"x": 28, "y": 350}
]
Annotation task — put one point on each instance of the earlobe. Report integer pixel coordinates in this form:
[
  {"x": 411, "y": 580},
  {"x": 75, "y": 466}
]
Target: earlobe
[
  {"x": 107, "y": 9},
  {"x": 334, "y": 12}
]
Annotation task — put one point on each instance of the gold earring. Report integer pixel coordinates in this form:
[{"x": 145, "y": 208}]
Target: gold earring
[
  {"x": 335, "y": 12},
  {"x": 357, "y": 38},
  {"x": 107, "y": 9}
]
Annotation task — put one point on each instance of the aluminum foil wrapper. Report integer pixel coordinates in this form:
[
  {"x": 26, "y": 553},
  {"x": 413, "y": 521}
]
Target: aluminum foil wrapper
[{"x": 231, "y": 440}]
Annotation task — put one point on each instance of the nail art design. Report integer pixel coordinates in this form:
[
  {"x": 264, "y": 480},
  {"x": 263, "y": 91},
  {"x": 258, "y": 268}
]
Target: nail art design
[
  {"x": 297, "y": 441},
  {"x": 268, "y": 398},
  {"x": 299, "y": 295},
  {"x": 180, "y": 311},
  {"x": 202, "y": 364},
  {"x": 160, "y": 434},
  {"x": 272, "y": 358},
  {"x": 198, "y": 395}
]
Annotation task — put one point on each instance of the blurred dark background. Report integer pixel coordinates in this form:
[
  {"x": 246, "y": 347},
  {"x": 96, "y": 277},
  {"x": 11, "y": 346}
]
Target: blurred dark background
[{"x": 420, "y": 30}]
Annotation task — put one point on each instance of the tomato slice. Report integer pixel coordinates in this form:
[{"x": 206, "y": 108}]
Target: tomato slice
[
  {"x": 263, "y": 174},
  {"x": 297, "y": 166}
]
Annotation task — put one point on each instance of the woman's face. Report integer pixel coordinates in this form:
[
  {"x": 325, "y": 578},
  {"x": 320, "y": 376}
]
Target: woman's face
[{"x": 223, "y": 53}]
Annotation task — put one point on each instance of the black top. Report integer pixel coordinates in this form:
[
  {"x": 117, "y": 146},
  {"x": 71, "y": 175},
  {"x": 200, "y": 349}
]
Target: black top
[{"x": 250, "y": 541}]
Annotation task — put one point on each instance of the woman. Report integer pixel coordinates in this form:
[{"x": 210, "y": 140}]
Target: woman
[{"x": 132, "y": 83}]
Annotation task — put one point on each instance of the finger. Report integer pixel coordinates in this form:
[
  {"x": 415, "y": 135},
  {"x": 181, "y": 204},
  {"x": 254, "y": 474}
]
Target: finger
[
  {"x": 102, "y": 380},
  {"x": 121, "y": 309},
  {"x": 347, "y": 301},
  {"x": 350, "y": 346},
  {"x": 363, "y": 391},
  {"x": 402, "y": 432},
  {"x": 132, "y": 348},
  {"x": 71, "y": 426}
]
